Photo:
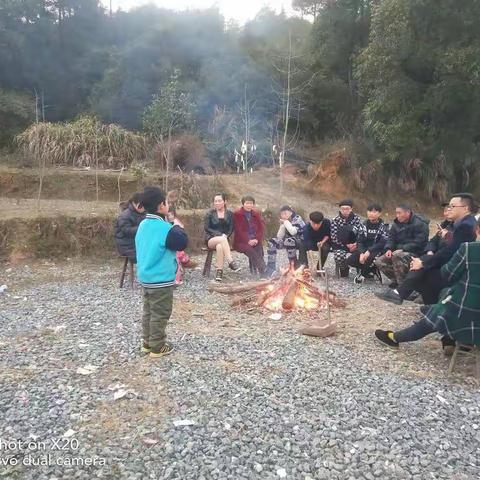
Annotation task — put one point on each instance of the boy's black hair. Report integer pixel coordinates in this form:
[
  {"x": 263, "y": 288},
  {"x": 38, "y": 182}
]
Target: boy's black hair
[
  {"x": 152, "y": 197},
  {"x": 348, "y": 202},
  {"x": 405, "y": 207},
  {"x": 137, "y": 197},
  {"x": 316, "y": 217},
  {"x": 219, "y": 194},
  {"x": 374, "y": 207},
  {"x": 248, "y": 198},
  {"x": 285, "y": 208},
  {"x": 468, "y": 201}
]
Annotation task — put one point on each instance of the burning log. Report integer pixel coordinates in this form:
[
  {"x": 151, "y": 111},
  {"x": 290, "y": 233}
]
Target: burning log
[
  {"x": 244, "y": 287},
  {"x": 289, "y": 298}
]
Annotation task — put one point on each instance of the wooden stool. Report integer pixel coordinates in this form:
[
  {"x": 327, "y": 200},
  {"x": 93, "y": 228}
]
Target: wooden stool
[
  {"x": 208, "y": 262},
  {"x": 124, "y": 271},
  {"x": 474, "y": 352}
]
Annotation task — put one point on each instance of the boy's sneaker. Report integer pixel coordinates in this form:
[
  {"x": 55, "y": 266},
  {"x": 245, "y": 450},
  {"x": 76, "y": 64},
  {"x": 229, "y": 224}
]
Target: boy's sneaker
[
  {"x": 393, "y": 285},
  {"x": 165, "y": 350},
  {"x": 219, "y": 275},
  {"x": 233, "y": 266},
  {"x": 145, "y": 348},
  {"x": 383, "y": 336},
  {"x": 390, "y": 296},
  {"x": 359, "y": 279}
]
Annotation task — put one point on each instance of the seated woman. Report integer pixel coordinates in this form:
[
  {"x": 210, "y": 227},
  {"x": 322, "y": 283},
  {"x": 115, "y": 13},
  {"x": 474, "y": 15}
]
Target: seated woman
[
  {"x": 249, "y": 230},
  {"x": 127, "y": 225},
  {"x": 218, "y": 228},
  {"x": 457, "y": 316}
]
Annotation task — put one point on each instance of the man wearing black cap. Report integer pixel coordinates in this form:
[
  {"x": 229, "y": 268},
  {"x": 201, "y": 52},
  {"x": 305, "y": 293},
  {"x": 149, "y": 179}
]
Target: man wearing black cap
[{"x": 345, "y": 228}]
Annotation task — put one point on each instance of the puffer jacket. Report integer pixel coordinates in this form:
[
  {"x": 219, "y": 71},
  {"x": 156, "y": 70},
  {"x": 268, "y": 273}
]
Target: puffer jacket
[
  {"x": 125, "y": 230},
  {"x": 411, "y": 236}
]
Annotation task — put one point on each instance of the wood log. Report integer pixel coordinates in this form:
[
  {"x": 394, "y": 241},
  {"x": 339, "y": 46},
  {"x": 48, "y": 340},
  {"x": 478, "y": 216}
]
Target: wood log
[
  {"x": 244, "y": 300},
  {"x": 289, "y": 298},
  {"x": 238, "y": 288}
]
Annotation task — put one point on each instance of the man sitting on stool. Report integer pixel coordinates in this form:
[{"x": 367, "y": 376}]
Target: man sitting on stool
[
  {"x": 371, "y": 243},
  {"x": 316, "y": 238}
]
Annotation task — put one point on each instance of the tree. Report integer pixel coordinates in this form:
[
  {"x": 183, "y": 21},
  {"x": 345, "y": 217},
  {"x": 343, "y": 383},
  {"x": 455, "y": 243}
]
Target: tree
[
  {"x": 309, "y": 7},
  {"x": 16, "y": 112},
  {"x": 420, "y": 77},
  {"x": 170, "y": 113}
]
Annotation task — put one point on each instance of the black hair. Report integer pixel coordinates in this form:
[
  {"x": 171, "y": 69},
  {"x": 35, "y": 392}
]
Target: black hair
[
  {"x": 467, "y": 200},
  {"x": 374, "y": 207},
  {"x": 223, "y": 195},
  {"x": 348, "y": 202},
  {"x": 248, "y": 198},
  {"x": 152, "y": 197},
  {"x": 316, "y": 217},
  {"x": 137, "y": 197},
  {"x": 405, "y": 207},
  {"x": 285, "y": 208}
]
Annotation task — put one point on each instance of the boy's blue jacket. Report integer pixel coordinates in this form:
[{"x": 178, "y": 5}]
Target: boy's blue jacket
[{"x": 157, "y": 242}]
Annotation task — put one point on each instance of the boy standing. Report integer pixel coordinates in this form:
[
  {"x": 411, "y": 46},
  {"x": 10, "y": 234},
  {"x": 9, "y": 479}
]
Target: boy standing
[{"x": 157, "y": 242}]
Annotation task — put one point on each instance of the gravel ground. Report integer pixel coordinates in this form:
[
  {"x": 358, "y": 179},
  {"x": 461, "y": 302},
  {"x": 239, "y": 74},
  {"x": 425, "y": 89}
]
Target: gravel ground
[{"x": 257, "y": 400}]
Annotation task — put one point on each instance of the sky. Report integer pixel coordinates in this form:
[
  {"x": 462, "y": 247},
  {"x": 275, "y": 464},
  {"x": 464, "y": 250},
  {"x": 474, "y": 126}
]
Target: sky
[{"x": 239, "y": 10}]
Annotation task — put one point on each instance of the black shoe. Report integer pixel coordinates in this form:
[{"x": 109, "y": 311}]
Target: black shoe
[
  {"x": 219, "y": 275},
  {"x": 448, "y": 345},
  {"x": 413, "y": 296},
  {"x": 233, "y": 266},
  {"x": 390, "y": 296},
  {"x": 393, "y": 285},
  {"x": 384, "y": 339}
]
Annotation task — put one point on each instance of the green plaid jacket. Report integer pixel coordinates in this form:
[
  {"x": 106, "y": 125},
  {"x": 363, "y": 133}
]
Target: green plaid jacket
[{"x": 458, "y": 313}]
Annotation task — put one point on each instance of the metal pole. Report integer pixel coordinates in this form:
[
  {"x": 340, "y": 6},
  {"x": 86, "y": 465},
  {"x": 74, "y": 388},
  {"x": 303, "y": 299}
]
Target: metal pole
[{"x": 327, "y": 291}]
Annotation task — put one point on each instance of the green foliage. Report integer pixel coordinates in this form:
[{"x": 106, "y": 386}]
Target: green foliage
[
  {"x": 420, "y": 77},
  {"x": 16, "y": 112}
]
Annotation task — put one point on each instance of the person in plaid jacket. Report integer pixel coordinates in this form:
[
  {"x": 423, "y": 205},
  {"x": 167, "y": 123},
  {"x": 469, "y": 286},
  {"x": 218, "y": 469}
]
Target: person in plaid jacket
[
  {"x": 457, "y": 314},
  {"x": 344, "y": 231}
]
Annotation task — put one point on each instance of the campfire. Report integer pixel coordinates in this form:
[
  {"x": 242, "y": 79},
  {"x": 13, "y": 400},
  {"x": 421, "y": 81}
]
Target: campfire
[{"x": 293, "y": 290}]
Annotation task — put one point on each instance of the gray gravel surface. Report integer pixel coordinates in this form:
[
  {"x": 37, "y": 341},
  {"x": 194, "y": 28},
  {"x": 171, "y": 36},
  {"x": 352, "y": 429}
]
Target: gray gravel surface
[{"x": 259, "y": 400}]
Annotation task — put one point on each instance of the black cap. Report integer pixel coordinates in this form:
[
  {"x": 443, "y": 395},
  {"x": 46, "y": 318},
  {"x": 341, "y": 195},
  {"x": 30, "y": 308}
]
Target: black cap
[{"x": 346, "y": 203}]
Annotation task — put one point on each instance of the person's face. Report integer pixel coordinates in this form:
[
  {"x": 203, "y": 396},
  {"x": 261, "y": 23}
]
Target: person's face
[
  {"x": 457, "y": 210},
  {"x": 315, "y": 226},
  {"x": 138, "y": 207},
  {"x": 447, "y": 214},
  {"x": 345, "y": 211},
  {"x": 163, "y": 208},
  {"x": 218, "y": 202},
  {"x": 170, "y": 216},
  {"x": 248, "y": 206},
  {"x": 373, "y": 215},
  {"x": 402, "y": 215},
  {"x": 285, "y": 215}
]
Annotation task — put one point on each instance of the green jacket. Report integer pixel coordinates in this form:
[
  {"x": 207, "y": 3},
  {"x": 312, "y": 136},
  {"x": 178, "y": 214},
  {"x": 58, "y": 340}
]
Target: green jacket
[{"x": 458, "y": 314}]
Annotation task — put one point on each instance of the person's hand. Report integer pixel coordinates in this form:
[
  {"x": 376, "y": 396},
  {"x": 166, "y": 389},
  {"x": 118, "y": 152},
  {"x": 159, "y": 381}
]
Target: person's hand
[
  {"x": 176, "y": 221},
  {"x": 388, "y": 254},
  {"x": 351, "y": 247},
  {"x": 281, "y": 221},
  {"x": 253, "y": 242},
  {"x": 416, "y": 264},
  {"x": 397, "y": 251},
  {"x": 362, "y": 258},
  {"x": 319, "y": 245},
  {"x": 443, "y": 232},
  {"x": 430, "y": 253}
]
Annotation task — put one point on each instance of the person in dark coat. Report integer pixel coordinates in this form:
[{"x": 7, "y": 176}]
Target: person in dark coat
[
  {"x": 370, "y": 244},
  {"x": 316, "y": 238},
  {"x": 127, "y": 225},
  {"x": 407, "y": 238},
  {"x": 424, "y": 275},
  {"x": 457, "y": 314},
  {"x": 218, "y": 227},
  {"x": 249, "y": 229}
]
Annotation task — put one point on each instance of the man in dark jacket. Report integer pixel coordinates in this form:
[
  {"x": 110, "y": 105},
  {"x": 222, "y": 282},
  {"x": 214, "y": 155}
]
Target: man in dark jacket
[
  {"x": 127, "y": 226},
  {"x": 316, "y": 238},
  {"x": 407, "y": 238},
  {"x": 249, "y": 230},
  {"x": 370, "y": 244},
  {"x": 345, "y": 229},
  {"x": 424, "y": 275}
]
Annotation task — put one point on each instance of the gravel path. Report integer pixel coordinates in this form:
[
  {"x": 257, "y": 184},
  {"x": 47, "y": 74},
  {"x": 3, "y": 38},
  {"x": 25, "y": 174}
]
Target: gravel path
[{"x": 257, "y": 400}]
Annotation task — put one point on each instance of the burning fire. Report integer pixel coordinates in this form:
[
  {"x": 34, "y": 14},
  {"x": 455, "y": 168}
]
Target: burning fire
[{"x": 292, "y": 292}]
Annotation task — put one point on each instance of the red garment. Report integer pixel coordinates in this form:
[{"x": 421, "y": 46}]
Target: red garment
[{"x": 240, "y": 228}]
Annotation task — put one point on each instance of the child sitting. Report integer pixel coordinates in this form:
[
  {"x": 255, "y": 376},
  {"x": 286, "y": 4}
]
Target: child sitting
[{"x": 157, "y": 242}]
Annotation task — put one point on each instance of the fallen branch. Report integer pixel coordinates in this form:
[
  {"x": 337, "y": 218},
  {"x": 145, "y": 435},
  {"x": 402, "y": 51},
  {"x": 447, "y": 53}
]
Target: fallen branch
[{"x": 245, "y": 287}]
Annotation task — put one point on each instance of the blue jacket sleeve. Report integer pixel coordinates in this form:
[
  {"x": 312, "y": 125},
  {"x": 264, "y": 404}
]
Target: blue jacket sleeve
[{"x": 177, "y": 239}]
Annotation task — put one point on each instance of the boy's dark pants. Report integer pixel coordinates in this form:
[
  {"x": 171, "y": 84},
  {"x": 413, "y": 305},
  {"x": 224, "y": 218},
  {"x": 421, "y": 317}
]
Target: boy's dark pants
[{"x": 157, "y": 309}]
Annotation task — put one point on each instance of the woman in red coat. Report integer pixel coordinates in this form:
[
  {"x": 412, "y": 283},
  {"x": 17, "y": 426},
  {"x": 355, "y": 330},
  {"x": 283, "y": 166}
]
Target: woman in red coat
[{"x": 249, "y": 229}]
